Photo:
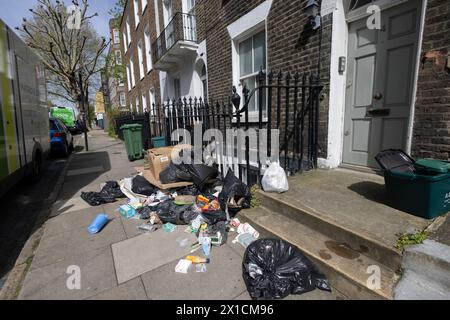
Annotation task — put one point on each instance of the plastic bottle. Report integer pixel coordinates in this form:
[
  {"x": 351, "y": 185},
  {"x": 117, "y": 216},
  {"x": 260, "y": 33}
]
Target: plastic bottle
[{"x": 98, "y": 224}]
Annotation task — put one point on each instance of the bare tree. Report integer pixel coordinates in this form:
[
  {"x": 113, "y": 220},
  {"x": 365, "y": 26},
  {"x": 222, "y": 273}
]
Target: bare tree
[{"x": 70, "y": 47}]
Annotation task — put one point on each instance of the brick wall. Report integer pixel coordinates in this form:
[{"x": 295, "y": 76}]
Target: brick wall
[
  {"x": 431, "y": 136},
  {"x": 290, "y": 46},
  {"x": 151, "y": 80}
]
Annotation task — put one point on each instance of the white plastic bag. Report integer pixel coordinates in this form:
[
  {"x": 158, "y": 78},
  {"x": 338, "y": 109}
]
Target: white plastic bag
[{"x": 275, "y": 179}]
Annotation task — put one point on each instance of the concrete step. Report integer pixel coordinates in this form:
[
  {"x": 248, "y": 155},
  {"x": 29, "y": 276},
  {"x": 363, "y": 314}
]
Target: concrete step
[
  {"x": 431, "y": 259},
  {"x": 415, "y": 286},
  {"x": 346, "y": 269},
  {"x": 360, "y": 240}
]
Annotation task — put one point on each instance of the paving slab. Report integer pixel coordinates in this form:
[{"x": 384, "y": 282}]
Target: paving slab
[
  {"x": 146, "y": 252},
  {"x": 223, "y": 279},
  {"x": 50, "y": 282},
  {"x": 131, "y": 290},
  {"x": 62, "y": 246},
  {"x": 68, "y": 221}
]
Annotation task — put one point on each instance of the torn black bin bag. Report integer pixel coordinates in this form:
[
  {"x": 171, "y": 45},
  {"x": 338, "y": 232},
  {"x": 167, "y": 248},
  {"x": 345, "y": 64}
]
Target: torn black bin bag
[
  {"x": 214, "y": 217},
  {"x": 274, "y": 269},
  {"x": 169, "y": 212},
  {"x": 201, "y": 174},
  {"x": 140, "y": 185},
  {"x": 235, "y": 191},
  {"x": 96, "y": 199},
  {"x": 175, "y": 173},
  {"x": 112, "y": 189},
  {"x": 109, "y": 193}
]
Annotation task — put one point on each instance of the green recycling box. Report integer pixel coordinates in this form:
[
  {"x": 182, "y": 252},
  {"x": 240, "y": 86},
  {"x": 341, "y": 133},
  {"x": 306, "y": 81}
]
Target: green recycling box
[
  {"x": 423, "y": 195},
  {"x": 132, "y": 134}
]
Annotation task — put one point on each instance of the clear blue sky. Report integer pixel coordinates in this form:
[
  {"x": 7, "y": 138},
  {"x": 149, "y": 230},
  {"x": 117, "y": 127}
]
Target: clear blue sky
[{"x": 12, "y": 13}]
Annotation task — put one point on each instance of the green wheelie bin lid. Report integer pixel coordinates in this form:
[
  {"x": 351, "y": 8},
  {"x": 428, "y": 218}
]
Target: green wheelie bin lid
[
  {"x": 134, "y": 126},
  {"x": 432, "y": 166}
]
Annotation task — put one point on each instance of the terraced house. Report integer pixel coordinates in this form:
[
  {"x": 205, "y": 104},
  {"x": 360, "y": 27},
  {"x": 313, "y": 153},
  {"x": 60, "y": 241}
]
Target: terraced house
[{"x": 138, "y": 29}]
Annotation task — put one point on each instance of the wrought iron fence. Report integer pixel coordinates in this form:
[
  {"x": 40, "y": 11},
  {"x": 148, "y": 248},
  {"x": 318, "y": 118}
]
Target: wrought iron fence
[{"x": 288, "y": 103}]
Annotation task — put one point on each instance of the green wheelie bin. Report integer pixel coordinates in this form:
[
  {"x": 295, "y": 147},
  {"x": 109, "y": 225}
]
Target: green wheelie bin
[
  {"x": 132, "y": 134},
  {"x": 421, "y": 188}
]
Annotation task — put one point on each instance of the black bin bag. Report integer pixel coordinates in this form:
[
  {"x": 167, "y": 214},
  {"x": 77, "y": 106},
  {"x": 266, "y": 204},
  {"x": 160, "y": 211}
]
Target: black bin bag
[
  {"x": 140, "y": 185},
  {"x": 274, "y": 269},
  {"x": 234, "y": 191},
  {"x": 174, "y": 174}
]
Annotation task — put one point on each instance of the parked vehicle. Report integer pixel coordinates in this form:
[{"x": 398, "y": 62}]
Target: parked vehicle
[
  {"x": 24, "y": 142},
  {"x": 67, "y": 116},
  {"x": 61, "y": 140}
]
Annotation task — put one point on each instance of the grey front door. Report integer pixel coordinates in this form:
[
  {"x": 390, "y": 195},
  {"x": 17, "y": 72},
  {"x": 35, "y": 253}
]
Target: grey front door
[{"x": 381, "y": 67}]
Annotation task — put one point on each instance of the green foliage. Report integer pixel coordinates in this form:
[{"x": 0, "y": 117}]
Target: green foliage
[
  {"x": 255, "y": 202},
  {"x": 117, "y": 11},
  {"x": 408, "y": 239}
]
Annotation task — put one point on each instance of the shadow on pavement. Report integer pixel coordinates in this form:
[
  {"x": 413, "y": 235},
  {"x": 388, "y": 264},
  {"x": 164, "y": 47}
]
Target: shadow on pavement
[{"x": 372, "y": 191}]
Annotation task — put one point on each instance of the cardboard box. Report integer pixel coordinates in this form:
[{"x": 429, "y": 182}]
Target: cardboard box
[
  {"x": 148, "y": 174},
  {"x": 160, "y": 158}
]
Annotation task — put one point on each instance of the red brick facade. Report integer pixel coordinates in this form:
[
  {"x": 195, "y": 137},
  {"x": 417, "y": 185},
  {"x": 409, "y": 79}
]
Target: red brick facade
[
  {"x": 432, "y": 113},
  {"x": 151, "y": 79}
]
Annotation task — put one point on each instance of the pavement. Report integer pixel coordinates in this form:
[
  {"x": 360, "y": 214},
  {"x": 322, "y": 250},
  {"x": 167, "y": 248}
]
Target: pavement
[{"x": 120, "y": 262}]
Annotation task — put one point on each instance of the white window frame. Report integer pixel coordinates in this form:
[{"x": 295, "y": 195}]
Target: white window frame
[
  {"x": 141, "y": 60},
  {"x": 132, "y": 73},
  {"x": 144, "y": 102},
  {"x": 144, "y": 4},
  {"x": 148, "y": 49},
  {"x": 118, "y": 56},
  {"x": 128, "y": 32},
  {"x": 152, "y": 100},
  {"x": 128, "y": 77},
  {"x": 244, "y": 27},
  {"x": 137, "y": 18},
  {"x": 138, "y": 108},
  {"x": 125, "y": 42},
  {"x": 116, "y": 36},
  {"x": 122, "y": 100}
]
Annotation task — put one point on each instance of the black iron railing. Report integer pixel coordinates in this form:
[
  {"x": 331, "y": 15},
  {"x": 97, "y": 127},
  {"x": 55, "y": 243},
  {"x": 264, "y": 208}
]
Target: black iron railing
[
  {"x": 287, "y": 103},
  {"x": 182, "y": 27}
]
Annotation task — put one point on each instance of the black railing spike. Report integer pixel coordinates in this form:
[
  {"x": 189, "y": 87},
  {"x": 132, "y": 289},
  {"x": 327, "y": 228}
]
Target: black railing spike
[
  {"x": 270, "y": 74},
  {"x": 296, "y": 76},
  {"x": 288, "y": 76},
  {"x": 279, "y": 75}
]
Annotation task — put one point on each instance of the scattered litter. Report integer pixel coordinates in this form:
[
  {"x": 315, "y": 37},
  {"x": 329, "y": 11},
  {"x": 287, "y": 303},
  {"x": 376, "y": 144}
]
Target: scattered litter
[
  {"x": 197, "y": 260},
  {"x": 169, "y": 228},
  {"x": 235, "y": 195},
  {"x": 275, "y": 179},
  {"x": 247, "y": 228},
  {"x": 200, "y": 268},
  {"x": 184, "y": 200},
  {"x": 140, "y": 185},
  {"x": 235, "y": 222},
  {"x": 245, "y": 239},
  {"x": 98, "y": 224},
  {"x": 147, "y": 227},
  {"x": 109, "y": 193},
  {"x": 274, "y": 269},
  {"x": 127, "y": 211},
  {"x": 183, "y": 266}
]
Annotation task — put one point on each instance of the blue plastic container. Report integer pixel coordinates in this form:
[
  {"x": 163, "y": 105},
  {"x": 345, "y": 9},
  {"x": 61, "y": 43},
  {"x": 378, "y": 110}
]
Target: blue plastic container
[
  {"x": 159, "y": 142},
  {"x": 99, "y": 223}
]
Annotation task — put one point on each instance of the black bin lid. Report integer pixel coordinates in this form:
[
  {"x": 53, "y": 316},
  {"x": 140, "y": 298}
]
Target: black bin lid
[{"x": 394, "y": 159}]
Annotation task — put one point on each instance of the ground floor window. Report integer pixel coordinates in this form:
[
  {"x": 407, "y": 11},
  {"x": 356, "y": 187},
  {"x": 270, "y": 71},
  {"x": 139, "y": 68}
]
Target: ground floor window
[{"x": 252, "y": 58}]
